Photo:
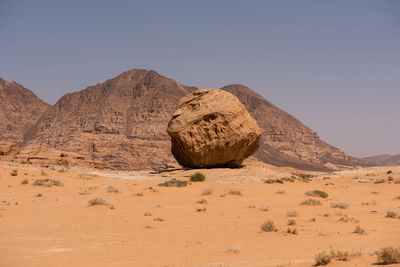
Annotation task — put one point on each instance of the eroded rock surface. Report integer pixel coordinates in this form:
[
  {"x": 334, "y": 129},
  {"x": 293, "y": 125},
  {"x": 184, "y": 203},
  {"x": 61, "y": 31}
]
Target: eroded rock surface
[{"x": 212, "y": 128}]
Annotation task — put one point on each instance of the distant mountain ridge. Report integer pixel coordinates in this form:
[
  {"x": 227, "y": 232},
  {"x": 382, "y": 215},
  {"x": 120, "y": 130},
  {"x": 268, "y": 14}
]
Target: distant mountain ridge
[
  {"x": 20, "y": 108},
  {"x": 384, "y": 160},
  {"x": 122, "y": 123}
]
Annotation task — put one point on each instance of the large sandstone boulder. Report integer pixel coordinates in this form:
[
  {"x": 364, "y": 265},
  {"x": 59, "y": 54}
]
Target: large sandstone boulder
[{"x": 211, "y": 128}]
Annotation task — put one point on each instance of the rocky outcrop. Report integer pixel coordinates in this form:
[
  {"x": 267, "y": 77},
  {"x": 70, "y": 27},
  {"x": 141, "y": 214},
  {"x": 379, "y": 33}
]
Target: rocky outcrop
[
  {"x": 19, "y": 110},
  {"x": 120, "y": 122},
  {"x": 211, "y": 128}
]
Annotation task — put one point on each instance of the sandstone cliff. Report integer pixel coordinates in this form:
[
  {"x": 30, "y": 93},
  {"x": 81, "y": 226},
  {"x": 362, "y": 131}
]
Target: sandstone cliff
[
  {"x": 19, "y": 110},
  {"x": 120, "y": 122}
]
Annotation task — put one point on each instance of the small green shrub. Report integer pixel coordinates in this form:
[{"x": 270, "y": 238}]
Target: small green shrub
[
  {"x": 317, "y": 193},
  {"x": 268, "y": 226},
  {"x": 291, "y": 222},
  {"x": 14, "y": 173},
  {"x": 311, "y": 202},
  {"x": 389, "y": 172},
  {"x": 197, "y": 177},
  {"x": 389, "y": 255},
  {"x": 25, "y": 181},
  {"x": 380, "y": 181},
  {"x": 174, "y": 183}
]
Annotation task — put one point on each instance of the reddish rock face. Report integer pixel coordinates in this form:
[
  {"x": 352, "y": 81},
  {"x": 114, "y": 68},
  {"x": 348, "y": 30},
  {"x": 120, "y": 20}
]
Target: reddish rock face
[
  {"x": 19, "y": 110},
  {"x": 211, "y": 128}
]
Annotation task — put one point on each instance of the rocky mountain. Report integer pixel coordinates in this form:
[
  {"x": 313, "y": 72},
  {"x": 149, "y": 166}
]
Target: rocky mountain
[
  {"x": 285, "y": 141},
  {"x": 120, "y": 122},
  {"x": 19, "y": 110},
  {"x": 384, "y": 160}
]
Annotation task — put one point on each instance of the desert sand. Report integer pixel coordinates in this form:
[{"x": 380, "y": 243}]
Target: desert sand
[{"x": 144, "y": 224}]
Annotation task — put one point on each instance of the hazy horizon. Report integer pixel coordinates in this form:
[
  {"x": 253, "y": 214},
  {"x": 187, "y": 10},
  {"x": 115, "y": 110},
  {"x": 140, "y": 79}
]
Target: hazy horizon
[{"x": 335, "y": 66}]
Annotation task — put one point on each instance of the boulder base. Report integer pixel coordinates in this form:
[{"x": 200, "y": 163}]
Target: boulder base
[{"x": 212, "y": 128}]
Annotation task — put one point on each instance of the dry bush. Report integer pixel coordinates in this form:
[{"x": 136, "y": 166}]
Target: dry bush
[
  {"x": 311, "y": 202},
  {"x": 317, "y": 193},
  {"x": 281, "y": 192},
  {"x": 340, "y": 205},
  {"x": 292, "y": 213},
  {"x": 268, "y": 226},
  {"x": 97, "y": 201},
  {"x": 235, "y": 192},
  {"x": 174, "y": 183},
  {"x": 291, "y": 222},
  {"x": 47, "y": 182},
  {"x": 112, "y": 189},
  {"x": 322, "y": 258},
  {"x": 359, "y": 230},
  {"x": 207, "y": 192},
  {"x": 391, "y": 214},
  {"x": 25, "y": 181},
  {"x": 202, "y": 201},
  {"x": 292, "y": 231},
  {"x": 389, "y": 255}
]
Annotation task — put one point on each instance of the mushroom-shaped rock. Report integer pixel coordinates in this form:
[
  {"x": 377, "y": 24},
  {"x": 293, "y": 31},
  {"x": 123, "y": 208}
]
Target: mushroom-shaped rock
[{"x": 212, "y": 128}]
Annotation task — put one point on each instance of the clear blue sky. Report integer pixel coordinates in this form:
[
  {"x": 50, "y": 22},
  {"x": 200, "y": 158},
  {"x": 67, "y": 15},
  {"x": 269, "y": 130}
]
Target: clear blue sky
[{"x": 335, "y": 65}]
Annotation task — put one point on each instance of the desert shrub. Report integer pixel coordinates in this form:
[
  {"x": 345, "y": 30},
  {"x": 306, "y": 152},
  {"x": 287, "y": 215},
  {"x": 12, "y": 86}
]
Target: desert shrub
[
  {"x": 268, "y": 226},
  {"x": 322, "y": 259},
  {"x": 147, "y": 214},
  {"x": 304, "y": 177},
  {"x": 97, "y": 201},
  {"x": 281, "y": 192},
  {"x": 390, "y": 178},
  {"x": 197, "y": 177},
  {"x": 389, "y": 255},
  {"x": 14, "y": 173},
  {"x": 47, "y": 182},
  {"x": 201, "y": 209},
  {"x": 389, "y": 172},
  {"x": 174, "y": 183},
  {"x": 62, "y": 170},
  {"x": 340, "y": 255},
  {"x": 273, "y": 181},
  {"x": 207, "y": 192},
  {"x": 292, "y": 231},
  {"x": 317, "y": 193},
  {"x": 291, "y": 222},
  {"x": 112, "y": 189},
  {"x": 202, "y": 201},
  {"x": 311, "y": 202},
  {"x": 25, "y": 181},
  {"x": 391, "y": 214},
  {"x": 292, "y": 213},
  {"x": 340, "y": 205},
  {"x": 359, "y": 230},
  {"x": 380, "y": 181},
  {"x": 158, "y": 219},
  {"x": 235, "y": 192}
]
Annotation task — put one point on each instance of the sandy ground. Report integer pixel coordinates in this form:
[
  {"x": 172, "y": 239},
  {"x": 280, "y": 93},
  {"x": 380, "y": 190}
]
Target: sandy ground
[{"x": 148, "y": 225}]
